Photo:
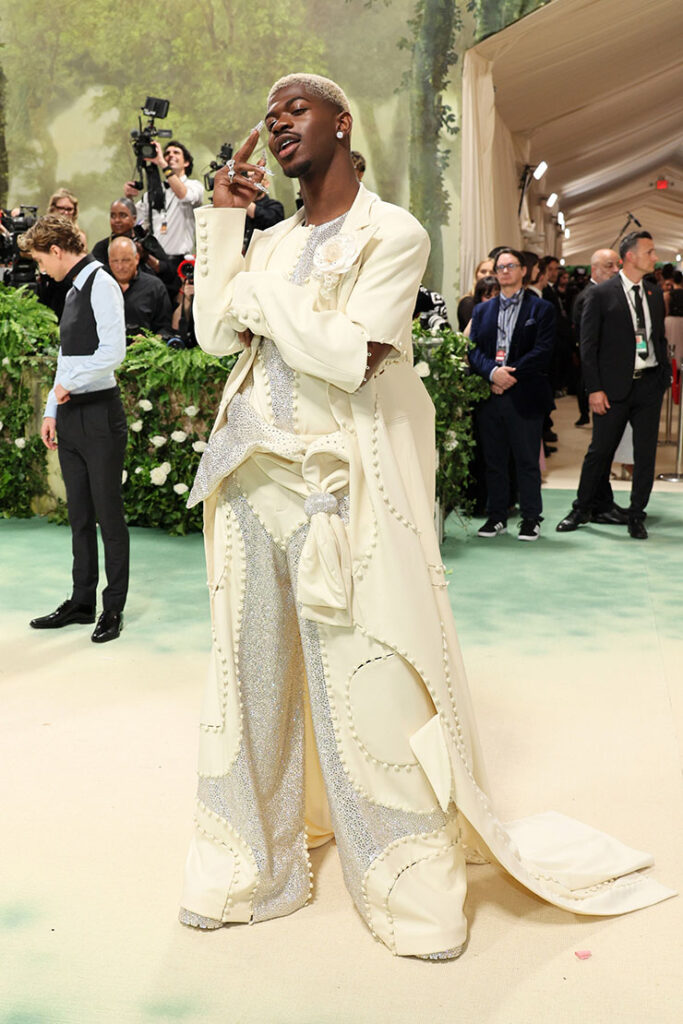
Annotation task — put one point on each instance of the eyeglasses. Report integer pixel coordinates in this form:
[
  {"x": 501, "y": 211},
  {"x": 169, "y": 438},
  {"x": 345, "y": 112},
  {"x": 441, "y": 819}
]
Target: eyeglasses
[
  {"x": 506, "y": 266},
  {"x": 65, "y": 209}
]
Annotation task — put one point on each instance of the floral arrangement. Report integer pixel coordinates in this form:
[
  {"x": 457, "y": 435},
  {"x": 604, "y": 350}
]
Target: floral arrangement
[
  {"x": 170, "y": 398},
  {"x": 28, "y": 349},
  {"x": 441, "y": 361}
]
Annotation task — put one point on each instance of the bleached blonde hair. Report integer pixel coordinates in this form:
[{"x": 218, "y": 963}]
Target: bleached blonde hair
[{"x": 315, "y": 85}]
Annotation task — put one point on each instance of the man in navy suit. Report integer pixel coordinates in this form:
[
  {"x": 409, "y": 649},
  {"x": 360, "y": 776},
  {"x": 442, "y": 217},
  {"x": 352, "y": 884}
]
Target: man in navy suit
[
  {"x": 513, "y": 337},
  {"x": 626, "y": 371}
]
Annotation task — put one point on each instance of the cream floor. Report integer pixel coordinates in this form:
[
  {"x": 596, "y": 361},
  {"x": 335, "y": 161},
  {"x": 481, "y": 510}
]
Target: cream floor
[{"x": 580, "y": 707}]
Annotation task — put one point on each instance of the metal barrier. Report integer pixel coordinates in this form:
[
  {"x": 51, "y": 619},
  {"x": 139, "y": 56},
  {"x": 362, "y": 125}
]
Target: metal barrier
[
  {"x": 669, "y": 407},
  {"x": 677, "y": 476}
]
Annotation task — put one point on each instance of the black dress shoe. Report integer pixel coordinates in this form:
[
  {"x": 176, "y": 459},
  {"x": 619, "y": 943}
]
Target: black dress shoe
[
  {"x": 582, "y": 421},
  {"x": 550, "y": 436},
  {"x": 636, "y": 528},
  {"x": 572, "y": 521},
  {"x": 69, "y": 611},
  {"x": 109, "y": 626},
  {"x": 614, "y": 516}
]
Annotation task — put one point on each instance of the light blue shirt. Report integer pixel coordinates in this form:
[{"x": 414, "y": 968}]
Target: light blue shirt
[
  {"x": 507, "y": 321},
  {"x": 79, "y": 374}
]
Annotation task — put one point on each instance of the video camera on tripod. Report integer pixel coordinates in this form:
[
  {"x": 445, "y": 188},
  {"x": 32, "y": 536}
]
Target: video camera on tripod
[
  {"x": 21, "y": 269},
  {"x": 224, "y": 154},
  {"x": 145, "y": 150}
]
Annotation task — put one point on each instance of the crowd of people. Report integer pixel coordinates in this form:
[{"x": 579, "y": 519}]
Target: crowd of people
[{"x": 539, "y": 334}]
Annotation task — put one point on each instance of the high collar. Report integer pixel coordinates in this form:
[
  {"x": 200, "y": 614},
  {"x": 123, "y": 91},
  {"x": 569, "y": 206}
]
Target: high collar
[{"x": 76, "y": 269}]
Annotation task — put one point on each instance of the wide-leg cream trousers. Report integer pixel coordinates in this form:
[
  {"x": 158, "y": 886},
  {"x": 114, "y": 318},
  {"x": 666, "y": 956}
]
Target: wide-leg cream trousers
[{"x": 305, "y": 731}]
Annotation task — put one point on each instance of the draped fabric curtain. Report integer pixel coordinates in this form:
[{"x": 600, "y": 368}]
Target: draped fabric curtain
[
  {"x": 593, "y": 87},
  {"x": 490, "y": 171}
]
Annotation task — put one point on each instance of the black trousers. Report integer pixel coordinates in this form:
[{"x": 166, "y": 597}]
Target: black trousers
[
  {"x": 641, "y": 408},
  {"x": 91, "y": 437},
  {"x": 504, "y": 430}
]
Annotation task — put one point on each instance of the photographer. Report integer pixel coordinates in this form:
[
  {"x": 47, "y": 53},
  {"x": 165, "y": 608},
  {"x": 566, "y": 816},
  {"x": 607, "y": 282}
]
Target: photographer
[
  {"x": 183, "y": 314},
  {"x": 172, "y": 227},
  {"x": 145, "y": 299}
]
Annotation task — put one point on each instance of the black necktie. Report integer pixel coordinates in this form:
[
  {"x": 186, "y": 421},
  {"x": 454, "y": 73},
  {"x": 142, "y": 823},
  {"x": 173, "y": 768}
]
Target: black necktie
[{"x": 640, "y": 314}]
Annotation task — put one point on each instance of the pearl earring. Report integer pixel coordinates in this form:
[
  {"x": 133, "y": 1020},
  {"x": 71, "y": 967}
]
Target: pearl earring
[{"x": 340, "y": 135}]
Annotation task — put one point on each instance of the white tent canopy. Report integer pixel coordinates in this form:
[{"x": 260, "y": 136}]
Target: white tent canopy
[{"x": 595, "y": 88}]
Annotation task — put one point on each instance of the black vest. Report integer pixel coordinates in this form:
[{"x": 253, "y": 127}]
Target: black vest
[{"x": 78, "y": 327}]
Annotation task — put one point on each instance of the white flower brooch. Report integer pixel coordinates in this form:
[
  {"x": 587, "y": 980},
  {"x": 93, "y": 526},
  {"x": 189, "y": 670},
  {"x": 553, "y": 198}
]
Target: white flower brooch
[{"x": 332, "y": 259}]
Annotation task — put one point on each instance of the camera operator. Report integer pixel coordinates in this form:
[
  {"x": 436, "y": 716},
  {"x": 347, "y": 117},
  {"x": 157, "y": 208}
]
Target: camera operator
[
  {"x": 172, "y": 227},
  {"x": 145, "y": 298}
]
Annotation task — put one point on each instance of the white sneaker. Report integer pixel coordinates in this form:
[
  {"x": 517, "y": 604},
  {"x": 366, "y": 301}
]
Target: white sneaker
[{"x": 491, "y": 528}]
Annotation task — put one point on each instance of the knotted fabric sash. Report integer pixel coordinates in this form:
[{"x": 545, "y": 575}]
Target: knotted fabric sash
[{"x": 319, "y": 473}]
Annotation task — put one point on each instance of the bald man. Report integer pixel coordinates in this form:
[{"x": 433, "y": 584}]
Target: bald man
[
  {"x": 604, "y": 265},
  {"x": 145, "y": 298}
]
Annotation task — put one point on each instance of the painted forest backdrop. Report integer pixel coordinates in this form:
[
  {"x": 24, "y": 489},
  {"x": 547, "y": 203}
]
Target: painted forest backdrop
[{"x": 74, "y": 73}]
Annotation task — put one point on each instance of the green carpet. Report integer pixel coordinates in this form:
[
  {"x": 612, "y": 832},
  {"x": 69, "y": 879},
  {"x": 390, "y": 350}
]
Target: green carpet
[{"x": 578, "y": 585}]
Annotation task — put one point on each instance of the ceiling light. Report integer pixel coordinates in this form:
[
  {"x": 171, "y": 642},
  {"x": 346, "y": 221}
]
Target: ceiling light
[
  {"x": 540, "y": 170},
  {"x": 562, "y": 262},
  {"x": 551, "y": 200},
  {"x": 567, "y": 233},
  {"x": 560, "y": 219}
]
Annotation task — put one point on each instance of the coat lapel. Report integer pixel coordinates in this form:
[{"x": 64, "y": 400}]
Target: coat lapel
[
  {"x": 622, "y": 303},
  {"x": 522, "y": 318}
]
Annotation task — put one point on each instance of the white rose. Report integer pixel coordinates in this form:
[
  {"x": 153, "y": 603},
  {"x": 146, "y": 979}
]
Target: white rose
[
  {"x": 199, "y": 446},
  {"x": 450, "y": 441},
  {"x": 138, "y": 470},
  {"x": 336, "y": 255},
  {"x": 190, "y": 410},
  {"x": 5, "y": 361},
  {"x": 166, "y": 466},
  {"x": 137, "y": 426},
  {"x": 124, "y": 476},
  {"x": 180, "y": 488},
  {"x": 158, "y": 476},
  {"x": 158, "y": 440},
  {"x": 1, "y": 424},
  {"x": 179, "y": 436},
  {"x": 145, "y": 404},
  {"x": 422, "y": 369},
  {"x": 20, "y": 442}
]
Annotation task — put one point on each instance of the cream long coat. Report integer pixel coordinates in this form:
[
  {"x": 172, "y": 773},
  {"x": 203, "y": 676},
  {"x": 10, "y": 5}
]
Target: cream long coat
[{"x": 397, "y": 592}]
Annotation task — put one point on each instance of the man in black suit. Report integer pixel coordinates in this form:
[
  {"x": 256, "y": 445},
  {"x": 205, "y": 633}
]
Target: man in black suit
[
  {"x": 604, "y": 266},
  {"x": 626, "y": 371},
  {"x": 513, "y": 338}
]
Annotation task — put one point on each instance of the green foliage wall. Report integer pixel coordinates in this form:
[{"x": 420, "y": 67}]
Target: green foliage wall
[{"x": 170, "y": 398}]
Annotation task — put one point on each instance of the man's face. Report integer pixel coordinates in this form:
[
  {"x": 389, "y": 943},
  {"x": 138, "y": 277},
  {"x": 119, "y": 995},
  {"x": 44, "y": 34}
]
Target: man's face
[
  {"x": 605, "y": 266},
  {"x": 123, "y": 260},
  {"x": 509, "y": 271},
  {"x": 301, "y": 131},
  {"x": 121, "y": 219},
  {"x": 553, "y": 270},
  {"x": 50, "y": 263},
  {"x": 643, "y": 257},
  {"x": 175, "y": 158}
]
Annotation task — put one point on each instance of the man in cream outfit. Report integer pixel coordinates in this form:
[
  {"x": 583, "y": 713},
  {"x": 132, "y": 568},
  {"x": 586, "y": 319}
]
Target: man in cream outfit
[{"x": 336, "y": 700}]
